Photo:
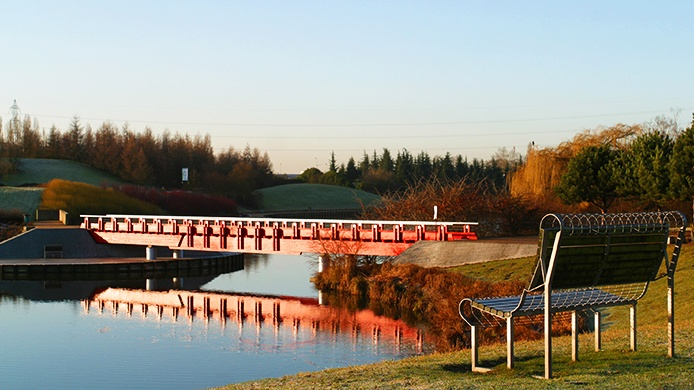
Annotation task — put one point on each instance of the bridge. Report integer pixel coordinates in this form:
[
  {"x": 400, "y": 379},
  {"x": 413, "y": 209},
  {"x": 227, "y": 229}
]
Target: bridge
[
  {"x": 272, "y": 235},
  {"x": 261, "y": 310}
]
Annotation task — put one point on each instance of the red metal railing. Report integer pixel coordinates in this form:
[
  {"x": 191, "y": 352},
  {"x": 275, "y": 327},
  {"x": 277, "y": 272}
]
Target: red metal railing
[{"x": 271, "y": 235}]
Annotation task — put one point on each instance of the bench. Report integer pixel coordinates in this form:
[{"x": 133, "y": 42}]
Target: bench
[{"x": 586, "y": 262}]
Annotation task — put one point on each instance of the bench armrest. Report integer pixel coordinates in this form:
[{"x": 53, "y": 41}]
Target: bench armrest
[
  {"x": 467, "y": 310},
  {"x": 466, "y": 306}
]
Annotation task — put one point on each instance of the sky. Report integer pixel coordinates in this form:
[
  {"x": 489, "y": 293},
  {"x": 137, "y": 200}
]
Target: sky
[{"x": 303, "y": 79}]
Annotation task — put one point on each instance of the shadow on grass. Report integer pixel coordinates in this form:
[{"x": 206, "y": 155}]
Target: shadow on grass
[{"x": 489, "y": 363}]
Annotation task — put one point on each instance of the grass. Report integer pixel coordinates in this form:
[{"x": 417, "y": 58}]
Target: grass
[
  {"x": 493, "y": 271},
  {"x": 25, "y": 200},
  {"x": 313, "y": 196},
  {"x": 615, "y": 367},
  {"x": 41, "y": 171}
]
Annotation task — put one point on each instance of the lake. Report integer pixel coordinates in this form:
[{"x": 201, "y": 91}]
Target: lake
[{"x": 54, "y": 335}]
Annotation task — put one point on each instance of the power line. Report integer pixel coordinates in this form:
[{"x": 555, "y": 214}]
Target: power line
[{"x": 354, "y": 125}]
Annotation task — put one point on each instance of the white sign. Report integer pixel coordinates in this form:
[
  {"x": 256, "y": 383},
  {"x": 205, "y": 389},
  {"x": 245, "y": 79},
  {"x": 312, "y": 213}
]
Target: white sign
[{"x": 184, "y": 175}]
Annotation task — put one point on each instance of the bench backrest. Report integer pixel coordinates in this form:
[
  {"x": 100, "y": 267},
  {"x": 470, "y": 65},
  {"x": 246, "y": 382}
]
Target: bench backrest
[{"x": 590, "y": 250}]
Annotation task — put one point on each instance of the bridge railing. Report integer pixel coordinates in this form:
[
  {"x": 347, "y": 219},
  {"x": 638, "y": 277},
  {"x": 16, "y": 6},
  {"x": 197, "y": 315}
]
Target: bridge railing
[
  {"x": 268, "y": 235},
  {"x": 141, "y": 223}
]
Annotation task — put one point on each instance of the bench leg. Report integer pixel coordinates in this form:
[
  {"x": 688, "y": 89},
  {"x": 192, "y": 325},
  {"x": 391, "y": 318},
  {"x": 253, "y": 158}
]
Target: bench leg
[
  {"x": 598, "y": 336},
  {"x": 474, "y": 341},
  {"x": 670, "y": 315},
  {"x": 632, "y": 326},
  {"x": 474, "y": 350},
  {"x": 509, "y": 342},
  {"x": 548, "y": 340},
  {"x": 574, "y": 335}
]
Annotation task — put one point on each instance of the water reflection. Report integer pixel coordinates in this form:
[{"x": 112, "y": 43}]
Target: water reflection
[
  {"x": 258, "y": 311},
  {"x": 68, "y": 334},
  {"x": 56, "y": 290}
]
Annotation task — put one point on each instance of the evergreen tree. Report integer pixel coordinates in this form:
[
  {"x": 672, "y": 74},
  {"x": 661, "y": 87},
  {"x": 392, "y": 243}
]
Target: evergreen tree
[
  {"x": 364, "y": 164},
  {"x": 682, "y": 165},
  {"x": 423, "y": 168},
  {"x": 647, "y": 166},
  {"x": 404, "y": 167},
  {"x": 591, "y": 176},
  {"x": 333, "y": 163},
  {"x": 73, "y": 140},
  {"x": 351, "y": 172},
  {"x": 386, "y": 161}
]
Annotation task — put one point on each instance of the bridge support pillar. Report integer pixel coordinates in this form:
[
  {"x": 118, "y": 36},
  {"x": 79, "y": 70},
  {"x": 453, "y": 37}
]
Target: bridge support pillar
[
  {"x": 151, "y": 253},
  {"x": 150, "y": 285}
]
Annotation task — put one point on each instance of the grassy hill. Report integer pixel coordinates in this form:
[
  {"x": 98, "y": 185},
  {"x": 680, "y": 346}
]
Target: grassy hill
[
  {"x": 20, "y": 191},
  {"x": 615, "y": 367},
  {"x": 24, "y": 200},
  {"x": 40, "y": 171},
  {"x": 313, "y": 196}
]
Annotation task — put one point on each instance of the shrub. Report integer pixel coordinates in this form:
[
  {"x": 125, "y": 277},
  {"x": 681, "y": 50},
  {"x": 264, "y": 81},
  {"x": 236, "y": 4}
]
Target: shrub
[
  {"x": 421, "y": 295},
  {"x": 183, "y": 202},
  {"x": 498, "y": 213},
  {"x": 80, "y": 198}
]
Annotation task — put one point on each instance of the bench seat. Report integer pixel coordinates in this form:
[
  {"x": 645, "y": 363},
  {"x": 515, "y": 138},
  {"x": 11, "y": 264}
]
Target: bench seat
[{"x": 534, "y": 304}]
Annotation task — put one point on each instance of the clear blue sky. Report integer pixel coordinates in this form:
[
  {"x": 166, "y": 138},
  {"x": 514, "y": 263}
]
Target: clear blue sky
[{"x": 299, "y": 79}]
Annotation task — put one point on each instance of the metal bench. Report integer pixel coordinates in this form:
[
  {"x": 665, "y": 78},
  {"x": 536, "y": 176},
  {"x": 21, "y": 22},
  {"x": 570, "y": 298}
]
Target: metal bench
[{"x": 585, "y": 262}]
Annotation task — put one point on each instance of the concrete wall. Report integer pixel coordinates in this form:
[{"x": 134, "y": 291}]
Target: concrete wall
[
  {"x": 76, "y": 243},
  {"x": 452, "y": 253}
]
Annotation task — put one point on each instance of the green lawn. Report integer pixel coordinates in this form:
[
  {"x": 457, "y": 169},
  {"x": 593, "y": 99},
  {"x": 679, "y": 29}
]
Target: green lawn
[
  {"x": 41, "y": 171},
  {"x": 313, "y": 196},
  {"x": 615, "y": 367},
  {"x": 26, "y": 200}
]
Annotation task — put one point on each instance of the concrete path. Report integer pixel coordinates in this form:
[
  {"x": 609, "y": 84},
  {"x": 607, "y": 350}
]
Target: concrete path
[{"x": 454, "y": 253}]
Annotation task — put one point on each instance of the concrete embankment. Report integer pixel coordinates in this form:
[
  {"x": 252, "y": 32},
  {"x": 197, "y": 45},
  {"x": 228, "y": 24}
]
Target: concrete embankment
[
  {"x": 69, "y": 254},
  {"x": 453, "y": 253},
  {"x": 72, "y": 242}
]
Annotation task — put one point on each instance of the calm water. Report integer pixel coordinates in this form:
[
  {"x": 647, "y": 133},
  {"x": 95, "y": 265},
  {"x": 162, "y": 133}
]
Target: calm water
[{"x": 49, "y": 340}]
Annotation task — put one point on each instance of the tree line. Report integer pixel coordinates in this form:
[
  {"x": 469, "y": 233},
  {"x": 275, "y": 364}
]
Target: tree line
[
  {"x": 384, "y": 173},
  {"x": 645, "y": 166},
  {"x": 140, "y": 157}
]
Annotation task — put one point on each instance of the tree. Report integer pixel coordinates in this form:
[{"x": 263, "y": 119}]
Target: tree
[
  {"x": 333, "y": 163},
  {"x": 386, "y": 162},
  {"x": 404, "y": 166},
  {"x": 682, "y": 165},
  {"x": 647, "y": 166},
  {"x": 53, "y": 149},
  {"x": 591, "y": 176},
  {"x": 351, "y": 172},
  {"x": 311, "y": 175},
  {"x": 74, "y": 139},
  {"x": 422, "y": 166},
  {"x": 443, "y": 167}
]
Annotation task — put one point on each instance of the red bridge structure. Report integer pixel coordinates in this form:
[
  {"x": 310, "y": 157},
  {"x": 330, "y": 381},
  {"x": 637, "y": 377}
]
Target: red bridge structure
[{"x": 271, "y": 235}]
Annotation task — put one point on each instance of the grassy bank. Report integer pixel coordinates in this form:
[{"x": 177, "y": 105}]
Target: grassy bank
[
  {"x": 615, "y": 367},
  {"x": 39, "y": 171},
  {"x": 20, "y": 199}
]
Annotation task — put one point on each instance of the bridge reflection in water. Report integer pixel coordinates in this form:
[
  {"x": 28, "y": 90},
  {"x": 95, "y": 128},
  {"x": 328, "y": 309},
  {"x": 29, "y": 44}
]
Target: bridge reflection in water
[{"x": 260, "y": 310}]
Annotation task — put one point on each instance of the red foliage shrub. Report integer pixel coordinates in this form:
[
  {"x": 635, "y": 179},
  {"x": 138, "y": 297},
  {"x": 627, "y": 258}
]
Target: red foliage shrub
[
  {"x": 427, "y": 296},
  {"x": 183, "y": 202}
]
